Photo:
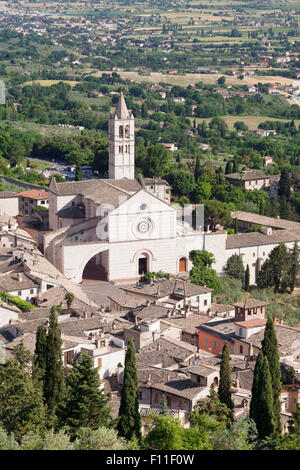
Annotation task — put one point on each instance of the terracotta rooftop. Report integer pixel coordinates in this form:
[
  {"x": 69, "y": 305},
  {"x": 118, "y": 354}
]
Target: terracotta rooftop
[
  {"x": 252, "y": 323},
  {"x": 34, "y": 194}
]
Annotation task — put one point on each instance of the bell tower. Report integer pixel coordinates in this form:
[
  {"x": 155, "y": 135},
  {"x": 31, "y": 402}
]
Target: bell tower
[{"x": 121, "y": 142}]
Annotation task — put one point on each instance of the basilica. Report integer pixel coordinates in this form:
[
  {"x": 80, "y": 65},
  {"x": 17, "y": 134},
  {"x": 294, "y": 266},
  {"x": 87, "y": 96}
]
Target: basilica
[{"x": 119, "y": 228}]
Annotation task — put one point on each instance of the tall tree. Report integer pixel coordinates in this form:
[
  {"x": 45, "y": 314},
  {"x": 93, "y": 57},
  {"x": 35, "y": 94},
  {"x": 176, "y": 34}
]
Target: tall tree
[
  {"x": 228, "y": 168},
  {"x": 78, "y": 173},
  {"x": 21, "y": 402},
  {"x": 197, "y": 168},
  {"x": 247, "y": 279},
  {"x": 40, "y": 355},
  {"x": 236, "y": 226},
  {"x": 234, "y": 267},
  {"x": 261, "y": 406},
  {"x": 129, "y": 423},
  {"x": 225, "y": 383},
  {"x": 54, "y": 373},
  {"x": 285, "y": 185},
  {"x": 270, "y": 350},
  {"x": 294, "y": 271},
  {"x": 86, "y": 403},
  {"x": 276, "y": 269},
  {"x": 294, "y": 423}
]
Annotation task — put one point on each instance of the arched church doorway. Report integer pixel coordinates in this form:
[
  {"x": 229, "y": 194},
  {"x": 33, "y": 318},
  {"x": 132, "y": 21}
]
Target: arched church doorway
[
  {"x": 182, "y": 265},
  {"x": 96, "y": 269},
  {"x": 143, "y": 264}
]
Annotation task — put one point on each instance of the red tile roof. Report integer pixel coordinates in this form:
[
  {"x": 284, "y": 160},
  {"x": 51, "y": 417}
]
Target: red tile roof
[
  {"x": 34, "y": 194},
  {"x": 252, "y": 323}
]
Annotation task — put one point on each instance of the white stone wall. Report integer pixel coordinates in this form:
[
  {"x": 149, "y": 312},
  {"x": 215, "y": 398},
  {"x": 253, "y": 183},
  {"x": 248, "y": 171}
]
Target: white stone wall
[
  {"x": 6, "y": 315},
  {"x": 163, "y": 254},
  {"x": 9, "y": 206},
  {"x": 246, "y": 332},
  {"x": 110, "y": 363},
  {"x": 25, "y": 293}
]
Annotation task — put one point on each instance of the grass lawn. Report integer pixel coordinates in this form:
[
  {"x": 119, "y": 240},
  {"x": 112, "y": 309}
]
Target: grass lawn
[
  {"x": 251, "y": 121},
  {"x": 49, "y": 82},
  {"x": 192, "y": 78}
]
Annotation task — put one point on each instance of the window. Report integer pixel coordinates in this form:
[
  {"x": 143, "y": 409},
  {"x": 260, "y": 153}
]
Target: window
[
  {"x": 253, "y": 255},
  {"x": 241, "y": 332},
  {"x": 43, "y": 202},
  {"x": 68, "y": 356},
  {"x": 156, "y": 397},
  {"x": 169, "y": 400},
  {"x": 215, "y": 346},
  {"x": 99, "y": 362},
  {"x": 121, "y": 132},
  {"x": 19, "y": 292},
  {"x": 205, "y": 302},
  {"x": 206, "y": 341},
  {"x": 127, "y": 132},
  {"x": 31, "y": 291},
  {"x": 241, "y": 349}
]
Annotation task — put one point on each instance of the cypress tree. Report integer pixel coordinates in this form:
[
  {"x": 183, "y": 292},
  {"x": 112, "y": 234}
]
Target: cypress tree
[
  {"x": 294, "y": 423},
  {"x": 40, "y": 355},
  {"x": 247, "y": 278},
  {"x": 228, "y": 168},
  {"x": 224, "y": 390},
  {"x": 129, "y": 423},
  {"x": 270, "y": 350},
  {"x": 235, "y": 167},
  {"x": 197, "y": 168},
  {"x": 294, "y": 267},
  {"x": 54, "y": 373},
  {"x": 78, "y": 173},
  {"x": 261, "y": 406},
  {"x": 86, "y": 403},
  {"x": 236, "y": 226}
]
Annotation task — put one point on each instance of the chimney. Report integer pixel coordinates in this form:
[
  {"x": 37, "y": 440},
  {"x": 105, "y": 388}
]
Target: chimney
[
  {"x": 147, "y": 303},
  {"x": 98, "y": 343},
  {"x": 158, "y": 346},
  {"x": 169, "y": 313},
  {"x": 20, "y": 277},
  {"x": 149, "y": 379}
]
